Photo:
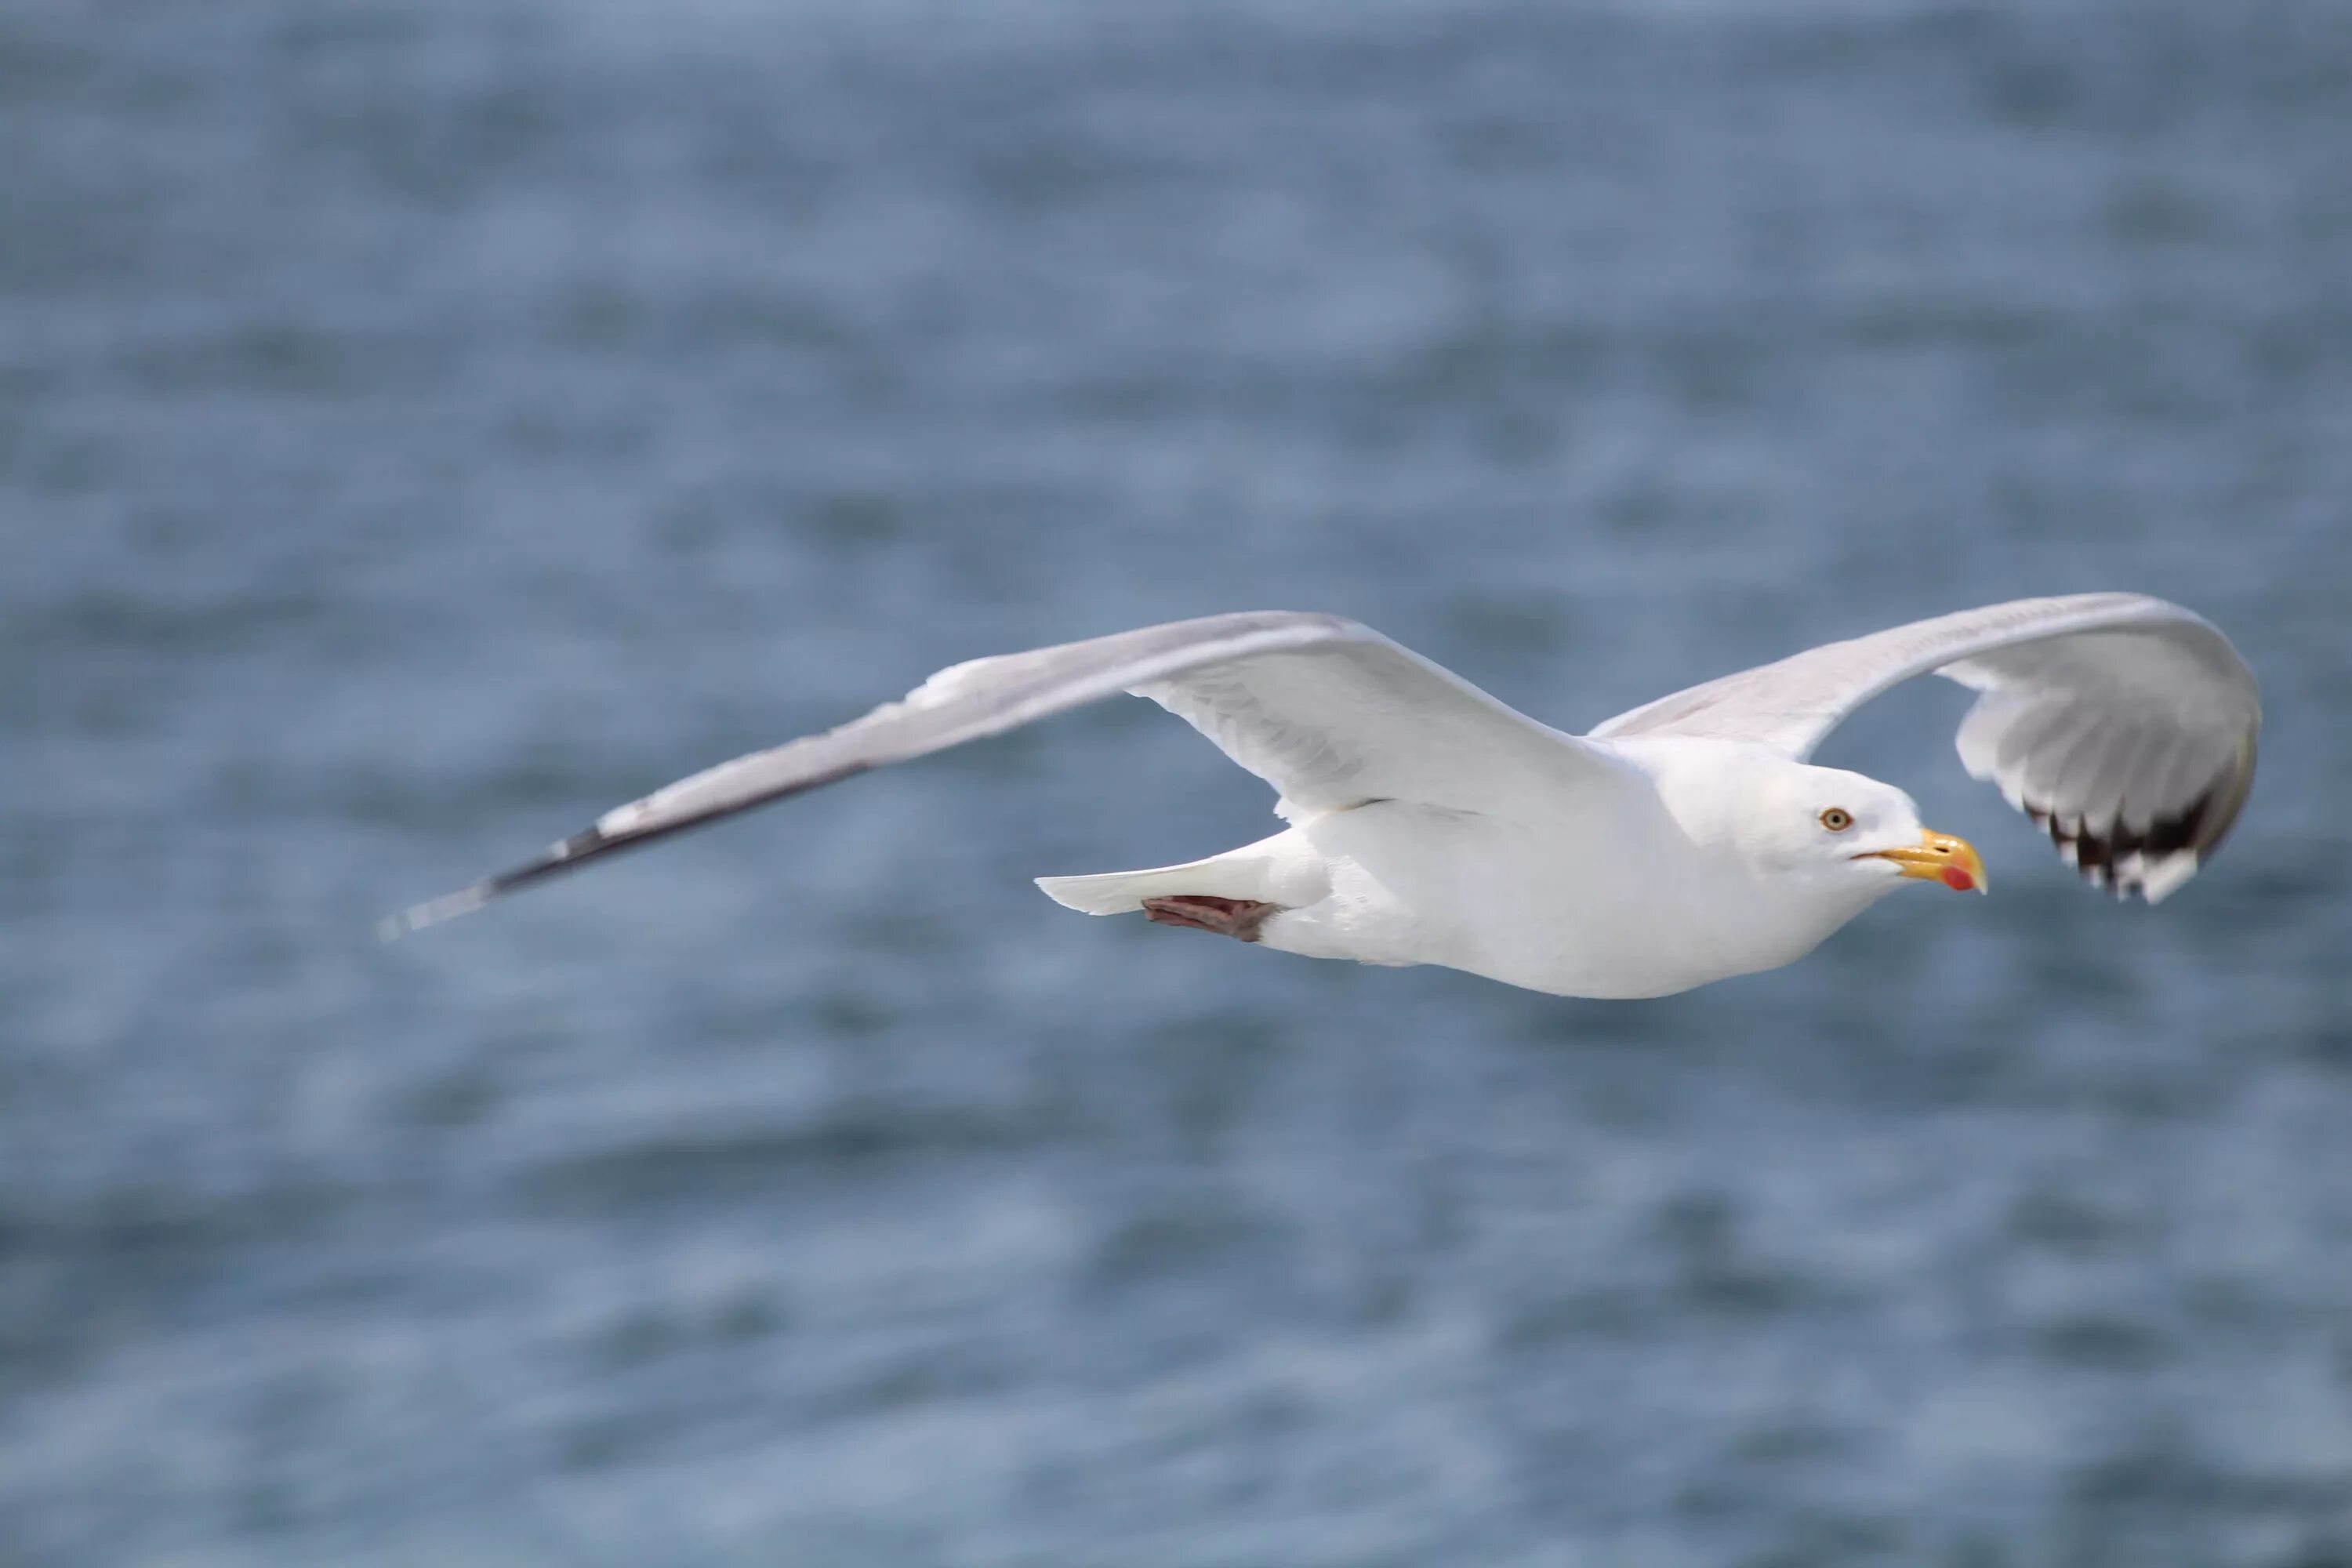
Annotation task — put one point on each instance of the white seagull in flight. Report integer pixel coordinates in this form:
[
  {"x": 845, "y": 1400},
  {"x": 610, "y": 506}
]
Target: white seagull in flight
[{"x": 1684, "y": 842}]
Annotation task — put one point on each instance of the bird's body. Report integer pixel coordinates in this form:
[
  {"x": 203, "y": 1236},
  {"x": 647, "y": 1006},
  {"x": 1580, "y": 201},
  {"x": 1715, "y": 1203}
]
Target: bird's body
[
  {"x": 1683, "y": 842},
  {"x": 1603, "y": 891},
  {"x": 1523, "y": 899}
]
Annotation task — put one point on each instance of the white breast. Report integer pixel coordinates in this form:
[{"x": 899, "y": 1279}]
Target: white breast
[{"x": 1586, "y": 908}]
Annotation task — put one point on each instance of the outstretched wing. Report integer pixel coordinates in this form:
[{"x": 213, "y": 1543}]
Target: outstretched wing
[
  {"x": 2122, "y": 725},
  {"x": 1329, "y": 712}
]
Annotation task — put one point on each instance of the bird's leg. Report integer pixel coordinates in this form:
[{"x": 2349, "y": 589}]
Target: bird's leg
[{"x": 1237, "y": 917}]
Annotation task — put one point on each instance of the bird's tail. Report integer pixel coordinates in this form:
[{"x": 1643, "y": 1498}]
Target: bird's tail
[{"x": 1243, "y": 873}]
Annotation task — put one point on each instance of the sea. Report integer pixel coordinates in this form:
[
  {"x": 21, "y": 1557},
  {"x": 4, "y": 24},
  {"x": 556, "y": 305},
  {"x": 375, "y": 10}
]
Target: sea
[{"x": 427, "y": 424}]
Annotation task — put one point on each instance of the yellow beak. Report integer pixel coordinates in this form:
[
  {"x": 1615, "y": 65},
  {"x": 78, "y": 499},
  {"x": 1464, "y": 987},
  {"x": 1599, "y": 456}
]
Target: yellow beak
[{"x": 1939, "y": 858}]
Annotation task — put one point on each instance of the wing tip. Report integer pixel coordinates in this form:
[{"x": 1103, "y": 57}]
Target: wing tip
[
  {"x": 2155, "y": 863},
  {"x": 432, "y": 911},
  {"x": 558, "y": 856},
  {"x": 2166, "y": 877}
]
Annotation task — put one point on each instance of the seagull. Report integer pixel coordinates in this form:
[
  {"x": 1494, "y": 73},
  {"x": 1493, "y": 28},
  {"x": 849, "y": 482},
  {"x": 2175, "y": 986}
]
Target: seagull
[{"x": 1687, "y": 841}]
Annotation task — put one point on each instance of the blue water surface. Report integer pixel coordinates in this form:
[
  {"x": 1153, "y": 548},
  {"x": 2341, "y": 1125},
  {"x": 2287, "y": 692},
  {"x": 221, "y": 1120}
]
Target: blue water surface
[{"x": 425, "y": 424}]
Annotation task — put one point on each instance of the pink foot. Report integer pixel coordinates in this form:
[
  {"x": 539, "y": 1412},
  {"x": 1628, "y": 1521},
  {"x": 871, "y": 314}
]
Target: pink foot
[{"x": 1236, "y": 917}]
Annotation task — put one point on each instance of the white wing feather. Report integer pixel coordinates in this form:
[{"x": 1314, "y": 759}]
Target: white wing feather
[
  {"x": 2122, "y": 725},
  {"x": 1329, "y": 712}
]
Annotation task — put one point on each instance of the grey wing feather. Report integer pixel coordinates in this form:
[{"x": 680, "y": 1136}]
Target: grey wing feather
[
  {"x": 2122, "y": 725},
  {"x": 1326, "y": 711}
]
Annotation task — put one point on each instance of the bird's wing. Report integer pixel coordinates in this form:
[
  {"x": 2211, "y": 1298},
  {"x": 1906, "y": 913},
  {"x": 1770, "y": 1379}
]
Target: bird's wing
[
  {"x": 2122, "y": 725},
  {"x": 1329, "y": 712}
]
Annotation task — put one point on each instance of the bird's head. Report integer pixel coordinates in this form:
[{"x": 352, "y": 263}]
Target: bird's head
[
  {"x": 1842, "y": 836},
  {"x": 1833, "y": 828}
]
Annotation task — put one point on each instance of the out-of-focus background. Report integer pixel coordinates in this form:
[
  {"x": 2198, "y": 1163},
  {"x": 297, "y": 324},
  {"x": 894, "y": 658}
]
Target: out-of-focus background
[{"x": 425, "y": 424}]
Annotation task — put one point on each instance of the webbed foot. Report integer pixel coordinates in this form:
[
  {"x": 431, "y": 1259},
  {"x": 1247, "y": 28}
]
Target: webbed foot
[{"x": 1237, "y": 917}]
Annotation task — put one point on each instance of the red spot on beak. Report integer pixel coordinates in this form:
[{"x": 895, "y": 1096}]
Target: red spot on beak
[{"x": 1959, "y": 881}]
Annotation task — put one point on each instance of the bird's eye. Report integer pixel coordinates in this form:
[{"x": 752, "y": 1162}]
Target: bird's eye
[{"x": 1837, "y": 819}]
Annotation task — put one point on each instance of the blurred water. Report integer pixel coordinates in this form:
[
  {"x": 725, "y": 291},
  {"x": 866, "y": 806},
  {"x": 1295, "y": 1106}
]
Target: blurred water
[{"x": 424, "y": 424}]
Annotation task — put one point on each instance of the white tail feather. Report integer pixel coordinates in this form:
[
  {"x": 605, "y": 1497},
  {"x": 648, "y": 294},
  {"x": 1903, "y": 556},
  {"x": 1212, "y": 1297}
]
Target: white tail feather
[{"x": 1244, "y": 873}]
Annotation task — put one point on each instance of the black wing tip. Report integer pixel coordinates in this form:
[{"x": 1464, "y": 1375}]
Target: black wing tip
[
  {"x": 560, "y": 856},
  {"x": 578, "y": 849},
  {"x": 2105, "y": 854}
]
